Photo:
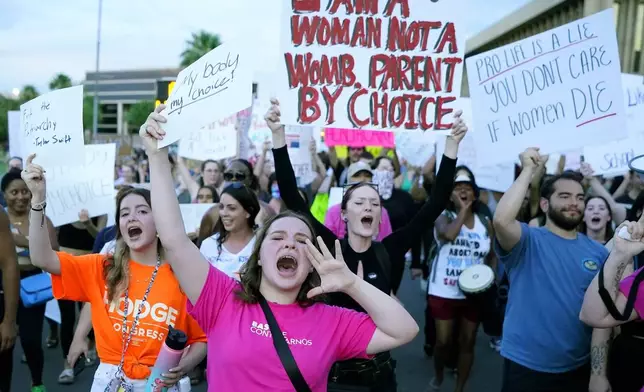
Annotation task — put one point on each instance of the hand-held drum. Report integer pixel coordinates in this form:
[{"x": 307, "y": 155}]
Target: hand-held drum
[{"x": 478, "y": 283}]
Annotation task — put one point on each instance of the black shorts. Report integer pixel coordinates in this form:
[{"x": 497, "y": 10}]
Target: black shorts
[{"x": 517, "y": 378}]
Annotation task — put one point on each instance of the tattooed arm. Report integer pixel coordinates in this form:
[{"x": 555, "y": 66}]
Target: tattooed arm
[
  {"x": 599, "y": 360},
  {"x": 593, "y": 311}
]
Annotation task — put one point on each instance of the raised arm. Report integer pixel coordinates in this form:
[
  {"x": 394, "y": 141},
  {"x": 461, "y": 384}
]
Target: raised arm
[
  {"x": 42, "y": 236},
  {"x": 286, "y": 176},
  {"x": 618, "y": 211},
  {"x": 395, "y": 326},
  {"x": 506, "y": 225},
  {"x": 10, "y": 283},
  {"x": 402, "y": 240},
  {"x": 188, "y": 265},
  {"x": 190, "y": 183}
]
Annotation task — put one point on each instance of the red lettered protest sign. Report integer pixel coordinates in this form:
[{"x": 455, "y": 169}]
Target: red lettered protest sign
[{"x": 373, "y": 64}]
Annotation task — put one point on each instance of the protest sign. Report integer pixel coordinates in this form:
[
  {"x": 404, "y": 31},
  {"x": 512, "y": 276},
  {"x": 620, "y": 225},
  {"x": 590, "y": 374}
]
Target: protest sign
[
  {"x": 372, "y": 64},
  {"x": 611, "y": 159},
  {"x": 633, "y": 87},
  {"x": 415, "y": 147},
  {"x": 559, "y": 90},
  {"x": 258, "y": 131},
  {"x": 89, "y": 186},
  {"x": 13, "y": 120},
  {"x": 51, "y": 126},
  {"x": 298, "y": 139},
  {"x": 217, "y": 85},
  {"x": 192, "y": 215},
  {"x": 209, "y": 142},
  {"x": 358, "y": 138},
  {"x": 335, "y": 196},
  {"x": 497, "y": 177}
]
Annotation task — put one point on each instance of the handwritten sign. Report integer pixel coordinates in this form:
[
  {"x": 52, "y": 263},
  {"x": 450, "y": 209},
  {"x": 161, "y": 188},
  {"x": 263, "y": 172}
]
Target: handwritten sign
[
  {"x": 495, "y": 177},
  {"x": 559, "y": 90},
  {"x": 374, "y": 64},
  {"x": 192, "y": 215},
  {"x": 633, "y": 87},
  {"x": 355, "y": 138},
  {"x": 209, "y": 142},
  {"x": 611, "y": 159},
  {"x": 415, "y": 147},
  {"x": 89, "y": 186},
  {"x": 258, "y": 130},
  {"x": 215, "y": 86},
  {"x": 52, "y": 127},
  {"x": 15, "y": 140}
]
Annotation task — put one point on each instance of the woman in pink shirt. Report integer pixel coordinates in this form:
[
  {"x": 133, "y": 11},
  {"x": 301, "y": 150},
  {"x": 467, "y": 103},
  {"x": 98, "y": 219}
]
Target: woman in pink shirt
[{"x": 282, "y": 278}]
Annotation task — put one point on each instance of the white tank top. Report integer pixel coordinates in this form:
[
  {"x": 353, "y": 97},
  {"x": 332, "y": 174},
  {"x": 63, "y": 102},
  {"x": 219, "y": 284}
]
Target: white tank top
[
  {"x": 227, "y": 262},
  {"x": 470, "y": 247}
]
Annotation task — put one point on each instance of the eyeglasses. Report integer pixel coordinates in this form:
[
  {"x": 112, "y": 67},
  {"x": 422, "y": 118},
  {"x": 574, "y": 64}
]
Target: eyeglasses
[{"x": 228, "y": 176}]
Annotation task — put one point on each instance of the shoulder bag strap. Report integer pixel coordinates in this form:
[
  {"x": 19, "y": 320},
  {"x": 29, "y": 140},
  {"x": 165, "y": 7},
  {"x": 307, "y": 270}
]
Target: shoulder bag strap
[
  {"x": 283, "y": 351},
  {"x": 630, "y": 301}
]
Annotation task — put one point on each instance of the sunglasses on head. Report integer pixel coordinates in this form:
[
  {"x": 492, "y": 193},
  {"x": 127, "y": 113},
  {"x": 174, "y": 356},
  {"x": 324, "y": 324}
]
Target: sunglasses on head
[{"x": 228, "y": 176}]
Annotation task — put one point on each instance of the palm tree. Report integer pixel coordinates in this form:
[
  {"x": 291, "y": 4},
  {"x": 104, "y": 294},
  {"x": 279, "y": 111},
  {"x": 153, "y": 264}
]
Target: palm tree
[
  {"x": 200, "y": 44},
  {"x": 28, "y": 93},
  {"x": 60, "y": 81}
]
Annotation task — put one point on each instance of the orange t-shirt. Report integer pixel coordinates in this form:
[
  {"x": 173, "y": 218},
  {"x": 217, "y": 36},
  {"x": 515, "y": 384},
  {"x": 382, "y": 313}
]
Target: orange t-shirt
[{"x": 81, "y": 279}]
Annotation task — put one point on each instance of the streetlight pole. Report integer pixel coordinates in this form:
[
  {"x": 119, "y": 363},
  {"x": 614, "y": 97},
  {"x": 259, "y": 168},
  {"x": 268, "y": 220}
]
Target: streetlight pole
[{"x": 98, "y": 54}]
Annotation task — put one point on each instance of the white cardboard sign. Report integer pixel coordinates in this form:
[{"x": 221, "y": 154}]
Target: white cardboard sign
[
  {"x": 377, "y": 64},
  {"x": 217, "y": 85},
  {"x": 611, "y": 159},
  {"x": 89, "y": 186},
  {"x": 559, "y": 90},
  {"x": 51, "y": 126},
  {"x": 15, "y": 140},
  {"x": 192, "y": 215},
  {"x": 633, "y": 87},
  {"x": 209, "y": 142}
]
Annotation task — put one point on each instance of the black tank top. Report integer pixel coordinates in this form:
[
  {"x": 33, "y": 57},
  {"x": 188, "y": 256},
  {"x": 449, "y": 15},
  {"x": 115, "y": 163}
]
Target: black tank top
[{"x": 71, "y": 237}]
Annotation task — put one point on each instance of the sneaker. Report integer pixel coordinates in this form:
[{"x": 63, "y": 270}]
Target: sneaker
[
  {"x": 66, "y": 377},
  {"x": 495, "y": 344},
  {"x": 38, "y": 388},
  {"x": 92, "y": 357},
  {"x": 433, "y": 385}
]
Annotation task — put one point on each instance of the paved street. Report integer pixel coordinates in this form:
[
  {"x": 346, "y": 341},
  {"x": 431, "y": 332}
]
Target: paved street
[{"x": 414, "y": 370}]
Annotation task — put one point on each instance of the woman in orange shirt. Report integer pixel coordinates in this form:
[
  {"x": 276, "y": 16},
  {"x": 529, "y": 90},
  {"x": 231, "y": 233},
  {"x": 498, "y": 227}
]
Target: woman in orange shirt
[{"x": 133, "y": 294}]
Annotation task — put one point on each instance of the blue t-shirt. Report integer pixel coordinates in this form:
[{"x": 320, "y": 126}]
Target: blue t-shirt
[
  {"x": 104, "y": 236},
  {"x": 548, "y": 277}
]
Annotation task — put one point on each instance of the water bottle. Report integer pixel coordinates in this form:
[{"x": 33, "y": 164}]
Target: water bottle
[{"x": 169, "y": 357}]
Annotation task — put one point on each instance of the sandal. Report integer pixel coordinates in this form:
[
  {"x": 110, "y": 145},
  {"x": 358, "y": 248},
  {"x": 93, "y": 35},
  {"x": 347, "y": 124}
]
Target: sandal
[{"x": 66, "y": 377}]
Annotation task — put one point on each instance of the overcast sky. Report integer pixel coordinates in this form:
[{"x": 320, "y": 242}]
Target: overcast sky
[{"x": 41, "y": 38}]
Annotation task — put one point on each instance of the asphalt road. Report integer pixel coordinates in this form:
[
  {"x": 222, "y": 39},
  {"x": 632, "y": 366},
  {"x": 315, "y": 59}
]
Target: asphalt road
[{"x": 414, "y": 369}]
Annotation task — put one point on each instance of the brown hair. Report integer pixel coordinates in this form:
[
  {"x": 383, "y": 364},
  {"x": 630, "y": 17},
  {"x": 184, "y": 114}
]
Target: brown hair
[
  {"x": 251, "y": 271},
  {"x": 116, "y": 268}
]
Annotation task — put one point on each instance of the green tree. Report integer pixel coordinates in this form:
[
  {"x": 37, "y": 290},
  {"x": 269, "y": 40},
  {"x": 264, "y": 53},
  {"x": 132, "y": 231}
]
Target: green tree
[
  {"x": 200, "y": 44},
  {"x": 6, "y": 105},
  {"x": 28, "y": 93},
  {"x": 138, "y": 113},
  {"x": 60, "y": 81}
]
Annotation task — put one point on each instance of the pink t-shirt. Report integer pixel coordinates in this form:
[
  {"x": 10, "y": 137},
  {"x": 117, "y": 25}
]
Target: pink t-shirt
[
  {"x": 333, "y": 221},
  {"x": 241, "y": 354},
  {"x": 625, "y": 287}
]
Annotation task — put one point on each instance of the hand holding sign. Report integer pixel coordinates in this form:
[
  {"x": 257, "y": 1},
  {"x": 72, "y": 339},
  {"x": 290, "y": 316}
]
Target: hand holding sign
[
  {"x": 586, "y": 170},
  {"x": 151, "y": 131},
  {"x": 34, "y": 176}
]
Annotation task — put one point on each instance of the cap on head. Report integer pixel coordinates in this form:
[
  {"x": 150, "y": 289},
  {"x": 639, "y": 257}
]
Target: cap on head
[
  {"x": 463, "y": 179},
  {"x": 358, "y": 167}
]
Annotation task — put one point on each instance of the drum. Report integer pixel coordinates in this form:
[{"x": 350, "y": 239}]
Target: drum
[{"x": 478, "y": 283}]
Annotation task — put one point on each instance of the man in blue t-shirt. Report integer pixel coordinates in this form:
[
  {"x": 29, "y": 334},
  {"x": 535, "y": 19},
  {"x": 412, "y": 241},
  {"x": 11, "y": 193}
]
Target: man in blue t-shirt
[{"x": 545, "y": 345}]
